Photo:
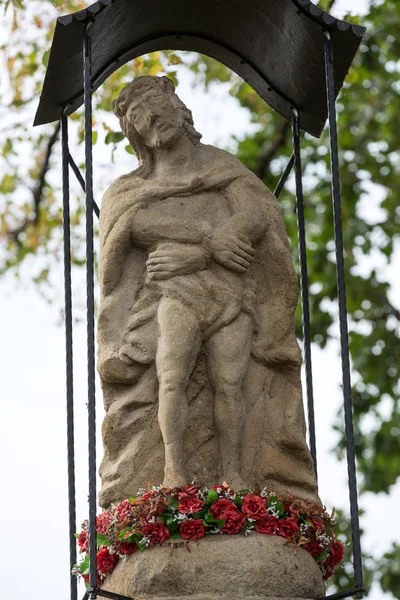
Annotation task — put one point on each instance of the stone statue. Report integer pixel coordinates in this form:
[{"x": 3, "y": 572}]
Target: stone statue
[{"x": 198, "y": 358}]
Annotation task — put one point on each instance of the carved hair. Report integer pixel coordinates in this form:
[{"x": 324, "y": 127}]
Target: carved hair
[{"x": 133, "y": 92}]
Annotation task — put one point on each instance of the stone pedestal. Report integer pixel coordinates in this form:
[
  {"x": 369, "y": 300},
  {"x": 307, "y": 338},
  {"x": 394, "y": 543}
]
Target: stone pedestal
[{"x": 225, "y": 567}]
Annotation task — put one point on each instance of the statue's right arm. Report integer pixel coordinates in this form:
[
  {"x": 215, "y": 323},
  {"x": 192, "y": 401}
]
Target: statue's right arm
[{"x": 149, "y": 228}]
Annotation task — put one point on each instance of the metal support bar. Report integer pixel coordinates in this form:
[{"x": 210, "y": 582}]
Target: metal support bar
[
  {"x": 90, "y": 313},
  {"x": 69, "y": 357},
  {"x": 344, "y": 336},
  {"x": 304, "y": 286},
  {"x": 284, "y": 177},
  {"x": 81, "y": 181},
  {"x": 111, "y": 595},
  {"x": 345, "y": 594}
]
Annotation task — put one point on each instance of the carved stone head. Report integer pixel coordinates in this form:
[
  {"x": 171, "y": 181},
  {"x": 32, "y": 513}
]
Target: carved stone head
[{"x": 152, "y": 116}]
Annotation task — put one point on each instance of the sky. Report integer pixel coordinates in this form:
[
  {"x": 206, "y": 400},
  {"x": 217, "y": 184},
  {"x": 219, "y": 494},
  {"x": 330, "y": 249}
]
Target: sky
[{"x": 33, "y": 501}]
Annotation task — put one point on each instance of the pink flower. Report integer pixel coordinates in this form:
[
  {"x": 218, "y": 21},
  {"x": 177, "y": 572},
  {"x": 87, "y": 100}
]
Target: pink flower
[
  {"x": 123, "y": 510},
  {"x": 102, "y": 521}
]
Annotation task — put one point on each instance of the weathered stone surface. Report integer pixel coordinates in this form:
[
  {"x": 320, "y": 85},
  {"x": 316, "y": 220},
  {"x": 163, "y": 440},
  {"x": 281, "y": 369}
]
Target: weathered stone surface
[
  {"x": 198, "y": 357},
  {"x": 224, "y": 567}
]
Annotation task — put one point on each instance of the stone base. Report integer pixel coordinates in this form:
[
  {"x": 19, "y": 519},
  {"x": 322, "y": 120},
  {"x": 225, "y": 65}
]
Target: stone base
[{"x": 255, "y": 567}]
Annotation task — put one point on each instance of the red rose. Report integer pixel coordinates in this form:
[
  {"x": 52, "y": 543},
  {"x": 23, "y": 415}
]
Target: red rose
[
  {"x": 191, "y": 489},
  {"x": 123, "y": 510},
  {"x": 287, "y": 527},
  {"x": 127, "y": 548},
  {"x": 222, "y": 508},
  {"x": 83, "y": 541},
  {"x": 86, "y": 578},
  {"x": 190, "y": 505},
  {"x": 267, "y": 525},
  {"x": 157, "y": 532},
  {"x": 102, "y": 521},
  {"x": 253, "y": 506},
  {"x": 233, "y": 523},
  {"x": 337, "y": 551},
  {"x": 329, "y": 566},
  {"x": 106, "y": 561},
  {"x": 314, "y": 548},
  {"x": 192, "y": 529}
]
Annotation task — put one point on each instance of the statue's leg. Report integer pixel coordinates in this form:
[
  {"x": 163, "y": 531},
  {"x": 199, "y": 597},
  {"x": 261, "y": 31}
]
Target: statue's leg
[
  {"x": 228, "y": 353},
  {"x": 177, "y": 351}
]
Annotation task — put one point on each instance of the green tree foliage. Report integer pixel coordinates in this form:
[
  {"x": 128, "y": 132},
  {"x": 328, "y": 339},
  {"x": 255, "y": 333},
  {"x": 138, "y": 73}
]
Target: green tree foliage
[{"x": 368, "y": 108}]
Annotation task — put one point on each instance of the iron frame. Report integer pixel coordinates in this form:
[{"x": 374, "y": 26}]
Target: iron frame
[{"x": 91, "y": 207}]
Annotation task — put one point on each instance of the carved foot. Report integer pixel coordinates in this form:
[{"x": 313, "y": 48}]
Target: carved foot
[{"x": 173, "y": 478}]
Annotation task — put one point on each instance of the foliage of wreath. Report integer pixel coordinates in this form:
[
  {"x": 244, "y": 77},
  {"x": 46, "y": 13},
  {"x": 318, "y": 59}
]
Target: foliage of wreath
[{"x": 159, "y": 515}]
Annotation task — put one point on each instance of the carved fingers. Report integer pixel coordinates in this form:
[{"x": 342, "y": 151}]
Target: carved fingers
[
  {"x": 232, "y": 250},
  {"x": 175, "y": 259}
]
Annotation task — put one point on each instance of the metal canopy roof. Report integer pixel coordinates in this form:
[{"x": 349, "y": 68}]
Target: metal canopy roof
[{"x": 277, "y": 46}]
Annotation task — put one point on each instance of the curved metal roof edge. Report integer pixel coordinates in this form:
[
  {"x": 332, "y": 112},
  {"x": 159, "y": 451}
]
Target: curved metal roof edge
[{"x": 309, "y": 8}]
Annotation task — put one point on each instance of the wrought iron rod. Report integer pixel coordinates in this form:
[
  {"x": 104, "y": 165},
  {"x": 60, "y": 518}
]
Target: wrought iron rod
[
  {"x": 90, "y": 312},
  {"x": 69, "y": 357},
  {"x": 304, "y": 287},
  {"x": 81, "y": 181},
  {"x": 284, "y": 177},
  {"x": 344, "y": 594},
  {"x": 112, "y": 595},
  {"x": 344, "y": 336}
]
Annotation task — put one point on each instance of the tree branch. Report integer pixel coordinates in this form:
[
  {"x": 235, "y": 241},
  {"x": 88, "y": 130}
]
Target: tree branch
[
  {"x": 271, "y": 152},
  {"x": 37, "y": 191}
]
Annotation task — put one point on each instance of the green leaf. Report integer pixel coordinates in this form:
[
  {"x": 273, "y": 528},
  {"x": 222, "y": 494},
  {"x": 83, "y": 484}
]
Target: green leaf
[
  {"x": 102, "y": 540},
  {"x": 113, "y": 137},
  {"x": 212, "y": 497},
  {"x": 199, "y": 515},
  {"x": 85, "y": 565},
  {"x": 209, "y": 519},
  {"x": 174, "y": 503},
  {"x": 172, "y": 524},
  {"x": 238, "y": 501},
  {"x": 129, "y": 149},
  {"x": 176, "y": 535}
]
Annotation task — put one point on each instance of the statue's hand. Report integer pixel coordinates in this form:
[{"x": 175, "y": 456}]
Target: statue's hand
[
  {"x": 232, "y": 250},
  {"x": 172, "y": 259}
]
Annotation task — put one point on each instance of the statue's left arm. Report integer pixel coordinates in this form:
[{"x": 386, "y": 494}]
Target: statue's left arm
[
  {"x": 247, "y": 197},
  {"x": 232, "y": 243}
]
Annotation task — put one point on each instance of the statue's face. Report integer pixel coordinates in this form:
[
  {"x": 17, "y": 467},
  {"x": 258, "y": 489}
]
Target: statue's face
[{"x": 156, "y": 119}]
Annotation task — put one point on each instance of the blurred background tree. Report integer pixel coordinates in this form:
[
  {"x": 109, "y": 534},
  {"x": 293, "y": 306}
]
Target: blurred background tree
[{"x": 368, "y": 107}]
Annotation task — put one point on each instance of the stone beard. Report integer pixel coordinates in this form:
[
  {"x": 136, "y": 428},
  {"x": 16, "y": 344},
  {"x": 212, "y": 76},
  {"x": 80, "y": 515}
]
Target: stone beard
[{"x": 198, "y": 358}]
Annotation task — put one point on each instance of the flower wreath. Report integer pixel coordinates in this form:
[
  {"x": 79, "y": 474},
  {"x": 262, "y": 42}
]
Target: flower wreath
[{"x": 158, "y": 515}]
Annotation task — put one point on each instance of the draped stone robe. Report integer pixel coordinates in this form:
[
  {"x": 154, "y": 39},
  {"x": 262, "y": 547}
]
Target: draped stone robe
[{"x": 274, "y": 452}]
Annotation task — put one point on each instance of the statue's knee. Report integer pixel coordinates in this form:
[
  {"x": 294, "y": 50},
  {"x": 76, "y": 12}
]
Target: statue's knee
[{"x": 171, "y": 383}]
